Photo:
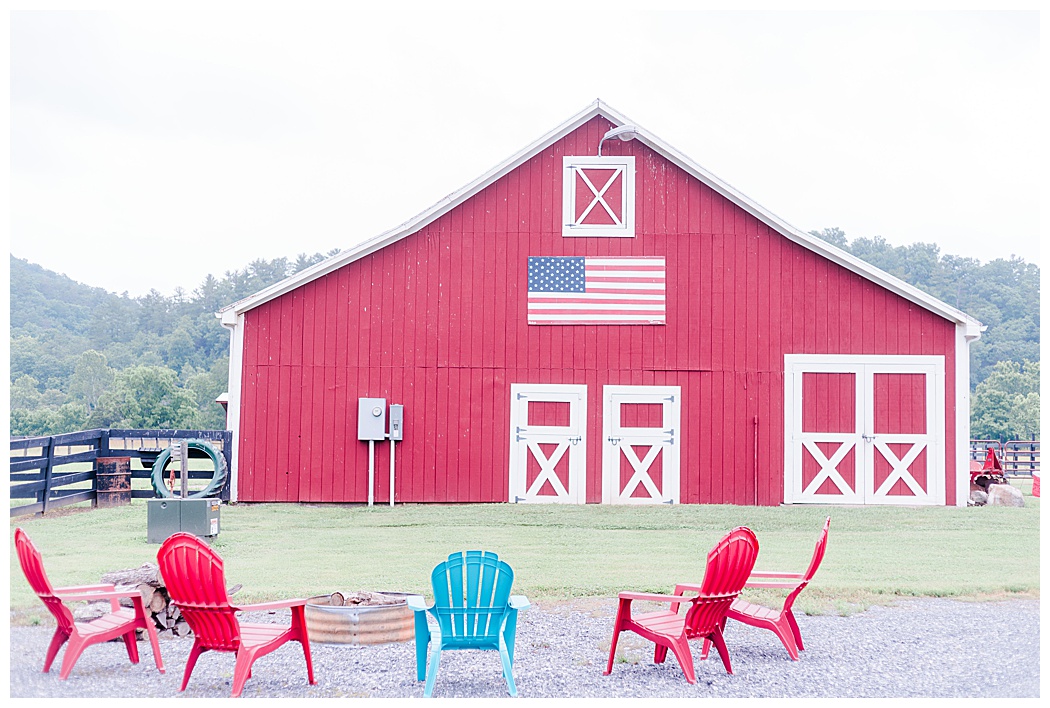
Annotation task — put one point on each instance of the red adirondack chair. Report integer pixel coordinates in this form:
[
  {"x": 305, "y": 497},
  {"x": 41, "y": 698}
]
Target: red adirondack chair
[
  {"x": 194, "y": 578},
  {"x": 781, "y": 622},
  {"x": 728, "y": 565},
  {"x": 120, "y": 622}
]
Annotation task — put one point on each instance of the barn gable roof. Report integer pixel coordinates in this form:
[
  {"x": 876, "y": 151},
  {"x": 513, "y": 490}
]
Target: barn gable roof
[{"x": 230, "y": 313}]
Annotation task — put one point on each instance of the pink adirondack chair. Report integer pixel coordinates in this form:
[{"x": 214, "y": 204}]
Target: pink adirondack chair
[
  {"x": 194, "y": 578},
  {"x": 781, "y": 622},
  {"x": 120, "y": 622},
  {"x": 728, "y": 565}
]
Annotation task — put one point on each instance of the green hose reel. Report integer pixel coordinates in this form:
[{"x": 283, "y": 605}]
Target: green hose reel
[{"x": 218, "y": 478}]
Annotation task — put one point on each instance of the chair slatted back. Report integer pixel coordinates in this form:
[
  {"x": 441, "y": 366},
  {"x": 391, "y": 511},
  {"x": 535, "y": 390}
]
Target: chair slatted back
[
  {"x": 196, "y": 582},
  {"x": 814, "y": 563},
  {"x": 471, "y": 592},
  {"x": 729, "y": 564},
  {"x": 33, "y": 568}
]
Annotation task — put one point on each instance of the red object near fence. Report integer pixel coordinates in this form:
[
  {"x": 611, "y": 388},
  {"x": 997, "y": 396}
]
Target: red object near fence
[
  {"x": 120, "y": 622},
  {"x": 729, "y": 564},
  {"x": 991, "y": 472},
  {"x": 781, "y": 622},
  {"x": 194, "y": 578}
]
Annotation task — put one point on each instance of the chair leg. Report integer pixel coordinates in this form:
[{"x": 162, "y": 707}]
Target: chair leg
[
  {"x": 422, "y": 643},
  {"x": 73, "y": 652},
  {"x": 706, "y": 649},
  {"x": 191, "y": 661},
  {"x": 242, "y": 670},
  {"x": 617, "y": 628},
  {"x": 144, "y": 622},
  {"x": 508, "y": 669},
  {"x": 680, "y": 647},
  {"x": 612, "y": 649},
  {"x": 151, "y": 632},
  {"x": 309, "y": 662},
  {"x": 782, "y": 628},
  {"x": 510, "y": 629},
  {"x": 131, "y": 645},
  {"x": 57, "y": 641},
  {"x": 790, "y": 616},
  {"x": 723, "y": 650},
  {"x": 660, "y": 654},
  {"x": 432, "y": 670},
  {"x": 299, "y": 622}
]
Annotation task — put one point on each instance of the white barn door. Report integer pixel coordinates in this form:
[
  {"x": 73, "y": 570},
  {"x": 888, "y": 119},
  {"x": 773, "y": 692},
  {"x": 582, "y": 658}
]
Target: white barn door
[
  {"x": 641, "y": 440},
  {"x": 864, "y": 429},
  {"x": 548, "y": 443}
]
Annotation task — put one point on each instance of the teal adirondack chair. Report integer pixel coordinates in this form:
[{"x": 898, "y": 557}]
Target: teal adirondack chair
[{"x": 474, "y": 610}]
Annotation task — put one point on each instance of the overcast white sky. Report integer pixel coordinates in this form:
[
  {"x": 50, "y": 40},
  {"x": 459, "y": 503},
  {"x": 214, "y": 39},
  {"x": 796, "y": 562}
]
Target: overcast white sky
[{"x": 149, "y": 149}]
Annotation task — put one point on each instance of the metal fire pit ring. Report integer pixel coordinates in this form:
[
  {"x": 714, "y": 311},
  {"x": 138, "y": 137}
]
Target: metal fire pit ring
[{"x": 359, "y": 624}]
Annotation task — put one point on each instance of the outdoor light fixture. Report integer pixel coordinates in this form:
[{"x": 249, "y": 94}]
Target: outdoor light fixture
[{"x": 624, "y": 132}]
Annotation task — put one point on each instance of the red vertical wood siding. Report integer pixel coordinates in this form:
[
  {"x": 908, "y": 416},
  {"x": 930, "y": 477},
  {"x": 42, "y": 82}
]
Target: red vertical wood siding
[{"x": 436, "y": 321}]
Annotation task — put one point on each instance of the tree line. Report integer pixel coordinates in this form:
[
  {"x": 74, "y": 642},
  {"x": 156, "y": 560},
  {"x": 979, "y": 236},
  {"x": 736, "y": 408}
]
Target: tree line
[{"x": 83, "y": 357}]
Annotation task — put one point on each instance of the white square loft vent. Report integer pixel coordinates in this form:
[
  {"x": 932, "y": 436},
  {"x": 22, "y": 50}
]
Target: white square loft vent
[{"x": 598, "y": 196}]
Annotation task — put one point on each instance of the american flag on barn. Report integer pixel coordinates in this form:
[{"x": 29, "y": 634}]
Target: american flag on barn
[
  {"x": 598, "y": 319},
  {"x": 573, "y": 290}
]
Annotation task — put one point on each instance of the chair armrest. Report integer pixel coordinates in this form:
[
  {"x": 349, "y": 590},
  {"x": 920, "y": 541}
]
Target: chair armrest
[
  {"x": 770, "y": 585},
  {"x": 266, "y": 606},
  {"x": 417, "y": 603},
  {"x": 775, "y": 574},
  {"x": 519, "y": 602},
  {"x": 112, "y": 595},
  {"x": 104, "y": 587},
  {"x": 651, "y": 597}
]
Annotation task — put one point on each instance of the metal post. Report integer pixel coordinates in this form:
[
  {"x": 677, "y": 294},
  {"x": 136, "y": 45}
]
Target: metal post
[
  {"x": 392, "y": 446},
  {"x": 371, "y": 471},
  {"x": 184, "y": 467}
]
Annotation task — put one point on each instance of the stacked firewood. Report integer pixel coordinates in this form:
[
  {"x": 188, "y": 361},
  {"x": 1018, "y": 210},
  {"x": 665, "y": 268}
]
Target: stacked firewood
[
  {"x": 146, "y": 579},
  {"x": 363, "y": 597}
]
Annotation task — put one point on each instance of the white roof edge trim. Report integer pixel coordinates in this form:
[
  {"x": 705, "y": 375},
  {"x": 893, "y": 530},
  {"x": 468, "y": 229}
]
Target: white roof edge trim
[{"x": 599, "y": 107}]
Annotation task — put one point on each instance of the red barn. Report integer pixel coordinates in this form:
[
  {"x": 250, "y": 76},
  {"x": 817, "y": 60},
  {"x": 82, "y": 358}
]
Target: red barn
[{"x": 600, "y": 320}]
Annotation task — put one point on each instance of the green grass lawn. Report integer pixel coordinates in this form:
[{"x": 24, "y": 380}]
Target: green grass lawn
[{"x": 875, "y": 554}]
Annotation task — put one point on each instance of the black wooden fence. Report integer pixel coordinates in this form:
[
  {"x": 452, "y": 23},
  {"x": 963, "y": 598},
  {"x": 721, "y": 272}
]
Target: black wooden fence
[{"x": 40, "y": 466}]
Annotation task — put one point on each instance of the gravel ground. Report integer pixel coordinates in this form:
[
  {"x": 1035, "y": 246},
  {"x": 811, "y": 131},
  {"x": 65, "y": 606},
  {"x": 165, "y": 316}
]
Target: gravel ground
[{"x": 918, "y": 648}]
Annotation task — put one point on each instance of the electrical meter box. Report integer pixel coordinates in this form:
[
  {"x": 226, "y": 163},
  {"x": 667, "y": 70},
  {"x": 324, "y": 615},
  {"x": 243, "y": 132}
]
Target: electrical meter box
[
  {"x": 167, "y": 516},
  {"x": 397, "y": 421},
  {"x": 371, "y": 419}
]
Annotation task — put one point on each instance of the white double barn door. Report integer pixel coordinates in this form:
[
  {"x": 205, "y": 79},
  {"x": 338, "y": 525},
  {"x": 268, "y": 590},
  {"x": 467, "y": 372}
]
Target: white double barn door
[
  {"x": 864, "y": 429},
  {"x": 641, "y": 439}
]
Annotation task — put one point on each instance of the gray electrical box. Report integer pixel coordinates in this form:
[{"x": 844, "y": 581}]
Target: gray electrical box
[
  {"x": 397, "y": 421},
  {"x": 371, "y": 419},
  {"x": 199, "y": 516}
]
